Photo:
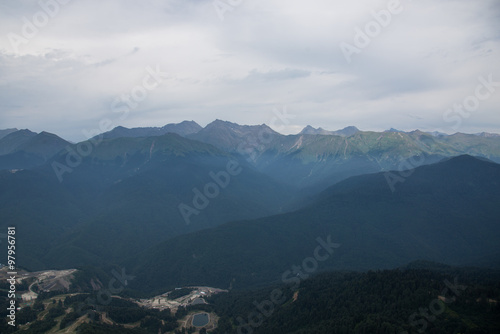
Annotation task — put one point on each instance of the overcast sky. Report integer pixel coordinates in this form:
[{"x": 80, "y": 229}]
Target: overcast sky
[{"x": 68, "y": 65}]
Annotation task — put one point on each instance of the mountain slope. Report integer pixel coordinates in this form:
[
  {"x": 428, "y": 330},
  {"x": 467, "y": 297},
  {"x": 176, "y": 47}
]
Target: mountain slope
[
  {"x": 132, "y": 190},
  {"x": 389, "y": 301},
  {"x": 41, "y": 209},
  {"x": 5, "y": 132},
  {"x": 25, "y": 149},
  {"x": 11, "y": 142},
  {"x": 44, "y": 144},
  {"x": 345, "y": 132},
  {"x": 184, "y": 128},
  {"x": 233, "y": 137},
  {"x": 446, "y": 212},
  {"x": 319, "y": 161}
]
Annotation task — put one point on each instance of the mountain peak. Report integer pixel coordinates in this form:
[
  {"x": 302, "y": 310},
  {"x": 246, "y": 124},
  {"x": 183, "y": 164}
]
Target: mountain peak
[
  {"x": 345, "y": 132},
  {"x": 465, "y": 159},
  {"x": 219, "y": 122},
  {"x": 47, "y": 134},
  {"x": 487, "y": 134},
  {"x": 393, "y": 130},
  {"x": 6, "y": 132},
  {"x": 309, "y": 130},
  {"x": 183, "y": 129},
  {"x": 44, "y": 144},
  {"x": 191, "y": 123},
  {"x": 235, "y": 126},
  {"x": 13, "y": 140},
  {"x": 437, "y": 134},
  {"x": 228, "y": 136}
]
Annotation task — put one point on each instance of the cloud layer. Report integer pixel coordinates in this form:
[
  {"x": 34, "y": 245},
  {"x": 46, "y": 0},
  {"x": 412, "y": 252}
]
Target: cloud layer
[{"x": 64, "y": 64}]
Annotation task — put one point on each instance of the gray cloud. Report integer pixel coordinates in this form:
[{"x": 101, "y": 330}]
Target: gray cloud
[
  {"x": 286, "y": 74},
  {"x": 265, "y": 53}
]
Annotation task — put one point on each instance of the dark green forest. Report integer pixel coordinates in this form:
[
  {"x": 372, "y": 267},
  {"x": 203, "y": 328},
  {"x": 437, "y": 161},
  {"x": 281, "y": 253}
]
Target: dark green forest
[
  {"x": 422, "y": 297},
  {"x": 376, "y": 302}
]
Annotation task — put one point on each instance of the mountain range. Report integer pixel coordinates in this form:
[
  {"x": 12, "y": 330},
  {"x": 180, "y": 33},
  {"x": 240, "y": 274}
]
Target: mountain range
[
  {"x": 236, "y": 205},
  {"x": 311, "y": 160},
  {"x": 184, "y": 128}
]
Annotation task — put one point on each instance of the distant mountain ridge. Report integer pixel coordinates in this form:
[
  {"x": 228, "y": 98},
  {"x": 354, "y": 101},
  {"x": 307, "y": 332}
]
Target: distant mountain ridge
[
  {"x": 487, "y": 134},
  {"x": 5, "y": 132},
  {"x": 184, "y": 128},
  {"x": 345, "y": 132},
  {"x": 23, "y": 149},
  {"x": 12, "y": 141},
  {"x": 233, "y": 137},
  {"x": 313, "y": 159}
]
